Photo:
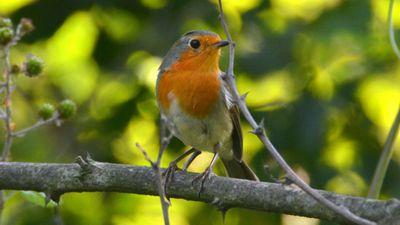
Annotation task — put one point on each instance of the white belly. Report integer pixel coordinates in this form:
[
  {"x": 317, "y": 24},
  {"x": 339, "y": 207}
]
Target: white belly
[{"x": 203, "y": 134}]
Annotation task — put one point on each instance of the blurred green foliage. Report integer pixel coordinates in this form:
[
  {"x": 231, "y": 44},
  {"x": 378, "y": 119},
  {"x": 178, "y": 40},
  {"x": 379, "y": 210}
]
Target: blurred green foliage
[{"x": 320, "y": 72}]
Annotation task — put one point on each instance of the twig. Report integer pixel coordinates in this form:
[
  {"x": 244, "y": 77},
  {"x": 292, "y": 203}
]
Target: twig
[
  {"x": 7, "y": 86},
  {"x": 391, "y": 30},
  {"x": 160, "y": 184},
  {"x": 7, "y": 100},
  {"x": 7, "y": 117},
  {"x": 164, "y": 141},
  {"x": 9, "y": 89},
  {"x": 258, "y": 130},
  {"x": 381, "y": 168},
  {"x": 55, "y": 118}
]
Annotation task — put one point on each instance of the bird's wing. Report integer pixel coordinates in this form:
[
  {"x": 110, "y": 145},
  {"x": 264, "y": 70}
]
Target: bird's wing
[{"x": 234, "y": 112}]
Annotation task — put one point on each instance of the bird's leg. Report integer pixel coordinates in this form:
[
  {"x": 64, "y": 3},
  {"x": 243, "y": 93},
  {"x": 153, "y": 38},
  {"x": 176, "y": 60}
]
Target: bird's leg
[
  {"x": 169, "y": 172},
  {"x": 190, "y": 160},
  {"x": 206, "y": 174}
]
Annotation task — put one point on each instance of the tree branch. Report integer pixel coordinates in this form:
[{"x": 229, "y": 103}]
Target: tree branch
[{"x": 90, "y": 176}]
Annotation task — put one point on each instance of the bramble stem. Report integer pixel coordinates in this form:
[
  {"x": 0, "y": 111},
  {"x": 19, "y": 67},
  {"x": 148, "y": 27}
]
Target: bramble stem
[
  {"x": 386, "y": 155},
  {"x": 258, "y": 130},
  {"x": 7, "y": 104}
]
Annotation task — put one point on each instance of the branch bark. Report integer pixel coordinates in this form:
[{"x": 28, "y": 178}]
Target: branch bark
[{"x": 90, "y": 176}]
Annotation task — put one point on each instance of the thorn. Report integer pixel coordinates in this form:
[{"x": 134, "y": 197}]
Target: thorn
[
  {"x": 56, "y": 197},
  {"x": 223, "y": 213},
  {"x": 165, "y": 141},
  {"x": 47, "y": 199},
  {"x": 259, "y": 130},
  {"x": 244, "y": 96},
  {"x": 261, "y": 124},
  {"x": 86, "y": 165},
  {"x": 221, "y": 207},
  {"x": 80, "y": 161},
  {"x": 52, "y": 196},
  {"x": 89, "y": 159}
]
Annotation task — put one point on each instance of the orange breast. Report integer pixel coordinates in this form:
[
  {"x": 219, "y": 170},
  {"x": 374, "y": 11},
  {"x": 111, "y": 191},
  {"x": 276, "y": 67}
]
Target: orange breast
[{"x": 196, "y": 91}]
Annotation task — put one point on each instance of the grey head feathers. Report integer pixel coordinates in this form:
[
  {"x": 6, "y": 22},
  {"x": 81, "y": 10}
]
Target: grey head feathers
[{"x": 179, "y": 47}]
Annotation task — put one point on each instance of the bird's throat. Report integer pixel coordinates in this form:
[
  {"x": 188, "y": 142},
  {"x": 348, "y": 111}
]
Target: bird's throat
[{"x": 196, "y": 91}]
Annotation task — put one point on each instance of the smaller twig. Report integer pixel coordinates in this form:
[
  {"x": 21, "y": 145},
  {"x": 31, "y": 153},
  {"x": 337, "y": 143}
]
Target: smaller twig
[
  {"x": 7, "y": 100},
  {"x": 144, "y": 152},
  {"x": 7, "y": 116},
  {"x": 160, "y": 184},
  {"x": 8, "y": 86},
  {"x": 391, "y": 30},
  {"x": 381, "y": 168},
  {"x": 384, "y": 159},
  {"x": 23, "y": 132},
  {"x": 164, "y": 141}
]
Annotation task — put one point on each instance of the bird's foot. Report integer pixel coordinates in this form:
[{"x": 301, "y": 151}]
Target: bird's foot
[
  {"x": 202, "y": 178},
  {"x": 168, "y": 175}
]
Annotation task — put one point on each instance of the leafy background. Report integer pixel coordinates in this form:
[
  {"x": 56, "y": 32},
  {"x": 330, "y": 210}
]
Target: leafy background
[{"x": 320, "y": 72}]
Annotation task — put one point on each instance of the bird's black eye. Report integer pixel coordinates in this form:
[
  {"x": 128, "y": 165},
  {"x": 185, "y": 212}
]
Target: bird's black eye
[{"x": 194, "y": 43}]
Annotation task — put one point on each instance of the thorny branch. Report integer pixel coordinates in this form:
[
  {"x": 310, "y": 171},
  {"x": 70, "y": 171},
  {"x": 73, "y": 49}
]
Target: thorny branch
[
  {"x": 88, "y": 175},
  {"x": 7, "y": 103},
  {"x": 6, "y": 114},
  {"x": 258, "y": 130},
  {"x": 7, "y": 86}
]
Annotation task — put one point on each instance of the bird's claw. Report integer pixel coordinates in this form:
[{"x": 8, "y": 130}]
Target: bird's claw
[
  {"x": 202, "y": 177},
  {"x": 168, "y": 175}
]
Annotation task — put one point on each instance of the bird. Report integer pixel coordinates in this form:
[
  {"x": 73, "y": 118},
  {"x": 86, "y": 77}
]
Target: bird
[{"x": 197, "y": 106}]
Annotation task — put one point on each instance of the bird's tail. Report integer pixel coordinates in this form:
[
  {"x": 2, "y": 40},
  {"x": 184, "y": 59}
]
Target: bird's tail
[{"x": 239, "y": 170}]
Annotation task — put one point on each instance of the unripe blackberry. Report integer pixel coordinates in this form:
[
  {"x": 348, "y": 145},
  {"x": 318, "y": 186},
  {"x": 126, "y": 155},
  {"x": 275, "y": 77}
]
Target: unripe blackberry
[
  {"x": 6, "y": 35},
  {"x": 5, "y": 22},
  {"x": 66, "y": 109},
  {"x": 46, "y": 111},
  {"x": 33, "y": 66}
]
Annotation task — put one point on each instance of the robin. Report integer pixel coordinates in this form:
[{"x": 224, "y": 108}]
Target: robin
[{"x": 196, "y": 103}]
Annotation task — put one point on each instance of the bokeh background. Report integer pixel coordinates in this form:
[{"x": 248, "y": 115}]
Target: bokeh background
[{"x": 321, "y": 73}]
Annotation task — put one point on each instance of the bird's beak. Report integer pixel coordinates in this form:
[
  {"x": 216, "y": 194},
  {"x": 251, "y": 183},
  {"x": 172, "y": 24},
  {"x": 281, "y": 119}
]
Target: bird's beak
[{"x": 222, "y": 43}]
